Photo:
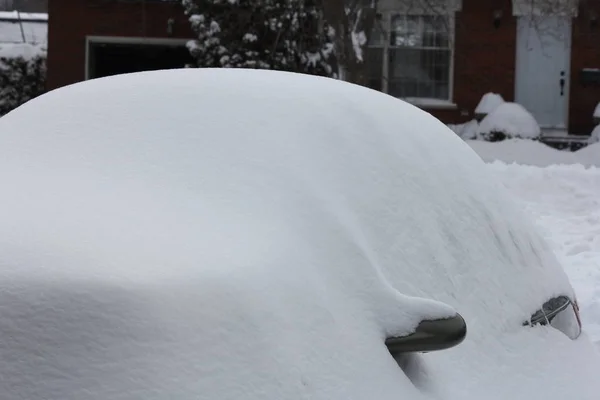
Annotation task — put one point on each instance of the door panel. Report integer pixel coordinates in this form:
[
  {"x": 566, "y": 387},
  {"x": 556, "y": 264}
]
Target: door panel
[{"x": 542, "y": 70}]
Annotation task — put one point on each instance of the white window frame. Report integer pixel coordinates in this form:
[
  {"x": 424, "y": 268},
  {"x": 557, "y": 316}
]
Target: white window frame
[{"x": 429, "y": 103}]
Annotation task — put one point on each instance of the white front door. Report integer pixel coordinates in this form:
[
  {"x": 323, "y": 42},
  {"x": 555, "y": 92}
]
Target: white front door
[{"x": 542, "y": 70}]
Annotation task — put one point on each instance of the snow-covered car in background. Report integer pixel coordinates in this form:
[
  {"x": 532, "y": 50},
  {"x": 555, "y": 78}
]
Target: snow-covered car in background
[{"x": 233, "y": 234}]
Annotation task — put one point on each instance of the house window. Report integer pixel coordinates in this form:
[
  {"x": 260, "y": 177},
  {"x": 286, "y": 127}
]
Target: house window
[{"x": 410, "y": 56}]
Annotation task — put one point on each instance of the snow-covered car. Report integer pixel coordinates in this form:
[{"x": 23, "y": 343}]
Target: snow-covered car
[{"x": 233, "y": 234}]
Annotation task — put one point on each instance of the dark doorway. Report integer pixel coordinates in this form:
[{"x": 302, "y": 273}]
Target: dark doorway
[{"x": 107, "y": 59}]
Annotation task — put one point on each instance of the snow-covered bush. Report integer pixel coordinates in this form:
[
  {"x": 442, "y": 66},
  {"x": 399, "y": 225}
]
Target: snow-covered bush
[
  {"x": 595, "y": 136},
  {"x": 22, "y": 75},
  {"x": 509, "y": 121},
  {"x": 488, "y": 103},
  {"x": 467, "y": 131},
  {"x": 286, "y": 35}
]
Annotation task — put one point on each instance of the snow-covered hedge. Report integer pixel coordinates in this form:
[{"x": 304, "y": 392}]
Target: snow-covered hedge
[
  {"x": 595, "y": 136},
  {"x": 509, "y": 121},
  {"x": 22, "y": 74},
  {"x": 488, "y": 103},
  {"x": 467, "y": 131}
]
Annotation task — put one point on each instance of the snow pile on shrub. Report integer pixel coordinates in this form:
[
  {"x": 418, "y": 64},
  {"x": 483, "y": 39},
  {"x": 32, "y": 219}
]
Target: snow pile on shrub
[
  {"x": 509, "y": 121},
  {"x": 595, "y": 136},
  {"x": 467, "y": 131},
  {"x": 26, "y": 51},
  {"x": 589, "y": 155},
  {"x": 488, "y": 103},
  {"x": 22, "y": 74}
]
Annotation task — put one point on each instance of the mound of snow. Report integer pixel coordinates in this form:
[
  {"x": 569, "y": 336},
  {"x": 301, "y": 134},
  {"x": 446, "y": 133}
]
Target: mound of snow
[
  {"x": 528, "y": 152},
  {"x": 232, "y": 234},
  {"x": 589, "y": 155},
  {"x": 29, "y": 28},
  {"x": 23, "y": 50},
  {"x": 466, "y": 131},
  {"x": 564, "y": 201},
  {"x": 509, "y": 120},
  {"x": 488, "y": 103},
  {"x": 595, "y": 136},
  {"x": 597, "y": 111}
]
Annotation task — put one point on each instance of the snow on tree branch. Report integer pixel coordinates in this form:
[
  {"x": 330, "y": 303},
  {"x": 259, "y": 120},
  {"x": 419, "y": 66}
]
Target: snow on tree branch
[{"x": 288, "y": 35}]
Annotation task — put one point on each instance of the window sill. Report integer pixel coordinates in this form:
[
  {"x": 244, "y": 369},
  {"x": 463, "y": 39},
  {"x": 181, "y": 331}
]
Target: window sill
[{"x": 431, "y": 104}]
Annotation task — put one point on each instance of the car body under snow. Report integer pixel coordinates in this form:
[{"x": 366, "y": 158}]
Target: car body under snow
[{"x": 234, "y": 234}]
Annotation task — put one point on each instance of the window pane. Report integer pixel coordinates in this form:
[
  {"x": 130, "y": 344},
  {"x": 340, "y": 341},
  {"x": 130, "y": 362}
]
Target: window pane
[
  {"x": 402, "y": 88},
  {"x": 377, "y": 36},
  {"x": 419, "y": 73},
  {"x": 405, "y": 31},
  {"x": 442, "y": 90},
  {"x": 374, "y": 61},
  {"x": 419, "y": 31},
  {"x": 405, "y": 64},
  {"x": 429, "y": 32}
]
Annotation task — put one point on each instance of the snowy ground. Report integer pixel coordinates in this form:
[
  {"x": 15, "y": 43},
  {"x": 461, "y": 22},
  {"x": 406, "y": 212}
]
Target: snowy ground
[{"x": 565, "y": 201}]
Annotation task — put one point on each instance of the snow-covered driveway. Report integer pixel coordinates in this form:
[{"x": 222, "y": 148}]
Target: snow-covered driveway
[{"x": 565, "y": 202}]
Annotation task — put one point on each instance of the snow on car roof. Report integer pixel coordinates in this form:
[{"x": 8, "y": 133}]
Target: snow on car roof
[{"x": 239, "y": 233}]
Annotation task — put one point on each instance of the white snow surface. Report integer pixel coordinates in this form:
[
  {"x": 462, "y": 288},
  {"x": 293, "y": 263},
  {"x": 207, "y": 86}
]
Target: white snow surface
[
  {"x": 529, "y": 152},
  {"x": 595, "y": 135},
  {"x": 488, "y": 103},
  {"x": 468, "y": 131},
  {"x": 35, "y": 32},
  {"x": 21, "y": 50},
  {"x": 23, "y": 16},
  {"x": 512, "y": 119},
  {"x": 564, "y": 198},
  {"x": 565, "y": 201},
  {"x": 226, "y": 234}
]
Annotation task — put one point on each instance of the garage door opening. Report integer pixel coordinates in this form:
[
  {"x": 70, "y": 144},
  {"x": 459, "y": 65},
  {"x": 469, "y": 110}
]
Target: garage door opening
[{"x": 106, "y": 59}]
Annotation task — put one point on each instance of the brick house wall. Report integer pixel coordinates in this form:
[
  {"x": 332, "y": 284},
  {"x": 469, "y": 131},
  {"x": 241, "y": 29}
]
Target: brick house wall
[
  {"x": 70, "y": 21},
  {"x": 585, "y": 53},
  {"x": 484, "y": 59}
]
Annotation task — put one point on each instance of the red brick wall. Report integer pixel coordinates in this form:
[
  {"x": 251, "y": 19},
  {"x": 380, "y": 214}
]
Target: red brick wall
[
  {"x": 585, "y": 53},
  {"x": 71, "y": 20},
  {"x": 484, "y": 59}
]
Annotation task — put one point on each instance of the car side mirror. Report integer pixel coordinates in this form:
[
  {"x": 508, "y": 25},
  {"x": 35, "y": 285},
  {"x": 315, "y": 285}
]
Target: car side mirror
[{"x": 430, "y": 335}]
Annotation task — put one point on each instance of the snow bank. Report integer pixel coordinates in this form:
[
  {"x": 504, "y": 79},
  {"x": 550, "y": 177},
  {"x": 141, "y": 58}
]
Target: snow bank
[
  {"x": 565, "y": 203},
  {"x": 24, "y": 50},
  {"x": 595, "y": 135},
  {"x": 23, "y": 16},
  {"x": 512, "y": 120},
  {"x": 226, "y": 234},
  {"x": 488, "y": 103},
  {"x": 589, "y": 155},
  {"x": 31, "y": 31},
  {"x": 529, "y": 152},
  {"x": 467, "y": 131}
]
